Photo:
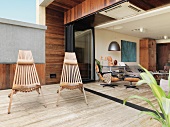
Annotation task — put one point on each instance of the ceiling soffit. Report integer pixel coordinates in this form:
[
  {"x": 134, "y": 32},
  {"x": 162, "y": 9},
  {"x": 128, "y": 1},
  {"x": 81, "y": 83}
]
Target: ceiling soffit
[{"x": 64, "y": 5}]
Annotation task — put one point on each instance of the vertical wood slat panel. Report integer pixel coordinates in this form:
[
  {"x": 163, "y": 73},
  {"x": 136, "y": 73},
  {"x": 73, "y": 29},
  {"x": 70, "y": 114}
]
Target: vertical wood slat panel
[
  {"x": 163, "y": 55},
  {"x": 148, "y": 54},
  {"x": 54, "y": 44},
  {"x": 85, "y": 8},
  {"x": 7, "y": 72}
]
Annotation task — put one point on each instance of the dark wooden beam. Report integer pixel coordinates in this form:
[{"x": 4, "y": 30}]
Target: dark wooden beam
[
  {"x": 53, "y": 7},
  {"x": 149, "y": 4},
  {"x": 142, "y": 4},
  {"x": 62, "y": 5}
]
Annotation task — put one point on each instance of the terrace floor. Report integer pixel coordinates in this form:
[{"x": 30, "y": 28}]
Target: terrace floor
[{"x": 28, "y": 110}]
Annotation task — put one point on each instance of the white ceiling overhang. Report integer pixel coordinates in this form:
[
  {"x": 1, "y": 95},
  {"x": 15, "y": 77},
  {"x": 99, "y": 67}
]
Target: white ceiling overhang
[
  {"x": 137, "y": 17},
  {"x": 155, "y": 22}
]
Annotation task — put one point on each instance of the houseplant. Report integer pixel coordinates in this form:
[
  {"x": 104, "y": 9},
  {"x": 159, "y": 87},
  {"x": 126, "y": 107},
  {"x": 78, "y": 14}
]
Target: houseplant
[
  {"x": 99, "y": 65},
  {"x": 162, "y": 98}
]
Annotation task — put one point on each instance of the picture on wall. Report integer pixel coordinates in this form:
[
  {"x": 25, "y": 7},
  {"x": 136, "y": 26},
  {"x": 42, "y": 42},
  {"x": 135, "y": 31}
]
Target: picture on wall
[{"x": 128, "y": 51}]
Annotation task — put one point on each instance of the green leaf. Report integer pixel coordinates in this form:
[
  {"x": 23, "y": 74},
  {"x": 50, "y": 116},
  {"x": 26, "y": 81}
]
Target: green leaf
[
  {"x": 142, "y": 98},
  {"x": 164, "y": 125},
  {"x": 99, "y": 65},
  {"x": 149, "y": 74},
  {"x": 168, "y": 96},
  {"x": 154, "y": 116},
  {"x": 158, "y": 92},
  {"x": 146, "y": 78},
  {"x": 141, "y": 82},
  {"x": 166, "y": 105},
  {"x": 168, "y": 120}
]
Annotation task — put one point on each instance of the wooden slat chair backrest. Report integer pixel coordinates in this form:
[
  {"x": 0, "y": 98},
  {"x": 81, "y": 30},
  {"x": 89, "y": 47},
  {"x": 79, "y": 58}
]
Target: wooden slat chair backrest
[
  {"x": 25, "y": 73},
  {"x": 70, "y": 77},
  {"x": 26, "y": 77},
  {"x": 70, "y": 72}
]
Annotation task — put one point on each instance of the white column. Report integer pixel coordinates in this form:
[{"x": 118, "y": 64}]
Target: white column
[{"x": 40, "y": 13}]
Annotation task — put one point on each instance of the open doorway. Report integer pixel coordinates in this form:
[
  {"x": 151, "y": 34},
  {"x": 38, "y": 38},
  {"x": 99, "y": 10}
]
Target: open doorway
[{"x": 84, "y": 48}]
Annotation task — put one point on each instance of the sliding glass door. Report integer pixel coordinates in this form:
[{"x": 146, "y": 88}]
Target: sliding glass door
[{"x": 84, "y": 48}]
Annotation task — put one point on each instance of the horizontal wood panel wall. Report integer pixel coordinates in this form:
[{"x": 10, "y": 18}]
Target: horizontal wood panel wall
[
  {"x": 85, "y": 8},
  {"x": 7, "y": 72},
  {"x": 54, "y": 44}
]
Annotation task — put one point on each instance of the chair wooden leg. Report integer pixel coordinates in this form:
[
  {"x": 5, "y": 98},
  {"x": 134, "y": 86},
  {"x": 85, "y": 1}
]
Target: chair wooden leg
[
  {"x": 59, "y": 92},
  {"x": 14, "y": 92},
  {"x": 38, "y": 91},
  {"x": 10, "y": 102},
  {"x": 84, "y": 95},
  {"x": 9, "y": 95},
  {"x": 81, "y": 89},
  {"x": 45, "y": 105}
]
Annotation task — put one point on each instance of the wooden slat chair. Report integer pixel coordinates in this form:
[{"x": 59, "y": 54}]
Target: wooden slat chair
[
  {"x": 70, "y": 77},
  {"x": 26, "y": 77}
]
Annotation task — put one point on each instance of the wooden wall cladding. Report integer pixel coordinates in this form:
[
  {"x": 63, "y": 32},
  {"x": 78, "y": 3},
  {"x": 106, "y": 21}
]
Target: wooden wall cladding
[
  {"x": 7, "y": 72},
  {"x": 85, "y": 8},
  {"x": 54, "y": 44},
  {"x": 163, "y": 51},
  {"x": 148, "y": 54}
]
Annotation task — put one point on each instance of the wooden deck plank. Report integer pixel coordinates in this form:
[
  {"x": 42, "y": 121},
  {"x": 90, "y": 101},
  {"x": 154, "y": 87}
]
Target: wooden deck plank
[{"x": 28, "y": 110}]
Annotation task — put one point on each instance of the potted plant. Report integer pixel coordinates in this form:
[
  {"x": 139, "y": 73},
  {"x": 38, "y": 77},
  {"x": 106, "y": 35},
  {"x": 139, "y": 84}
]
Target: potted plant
[
  {"x": 99, "y": 65},
  {"x": 163, "y": 98}
]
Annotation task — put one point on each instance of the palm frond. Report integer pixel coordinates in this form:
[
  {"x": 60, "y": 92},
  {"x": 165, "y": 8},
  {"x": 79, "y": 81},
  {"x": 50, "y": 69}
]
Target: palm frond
[
  {"x": 142, "y": 98},
  {"x": 154, "y": 116}
]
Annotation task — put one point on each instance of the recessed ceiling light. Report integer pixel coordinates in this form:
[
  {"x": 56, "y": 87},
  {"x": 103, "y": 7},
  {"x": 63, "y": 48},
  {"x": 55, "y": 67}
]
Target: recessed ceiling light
[
  {"x": 117, "y": 27},
  {"x": 142, "y": 30},
  {"x": 165, "y": 37}
]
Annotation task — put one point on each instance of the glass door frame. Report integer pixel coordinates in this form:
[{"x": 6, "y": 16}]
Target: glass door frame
[{"x": 93, "y": 56}]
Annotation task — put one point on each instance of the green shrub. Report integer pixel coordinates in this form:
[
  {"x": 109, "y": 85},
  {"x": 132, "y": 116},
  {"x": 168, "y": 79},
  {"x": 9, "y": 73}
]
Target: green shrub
[{"x": 163, "y": 99}]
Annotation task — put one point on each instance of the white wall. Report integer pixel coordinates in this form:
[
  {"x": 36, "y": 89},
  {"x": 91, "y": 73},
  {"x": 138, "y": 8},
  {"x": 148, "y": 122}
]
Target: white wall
[{"x": 103, "y": 39}]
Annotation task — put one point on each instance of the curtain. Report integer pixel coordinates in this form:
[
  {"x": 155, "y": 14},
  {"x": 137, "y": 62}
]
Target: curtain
[{"x": 69, "y": 38}]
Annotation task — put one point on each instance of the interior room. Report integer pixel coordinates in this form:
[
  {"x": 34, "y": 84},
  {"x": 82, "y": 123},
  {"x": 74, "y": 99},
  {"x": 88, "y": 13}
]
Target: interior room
[
  {"x": 101, "y": 45},
  {"x": 140, "y": 27}
]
